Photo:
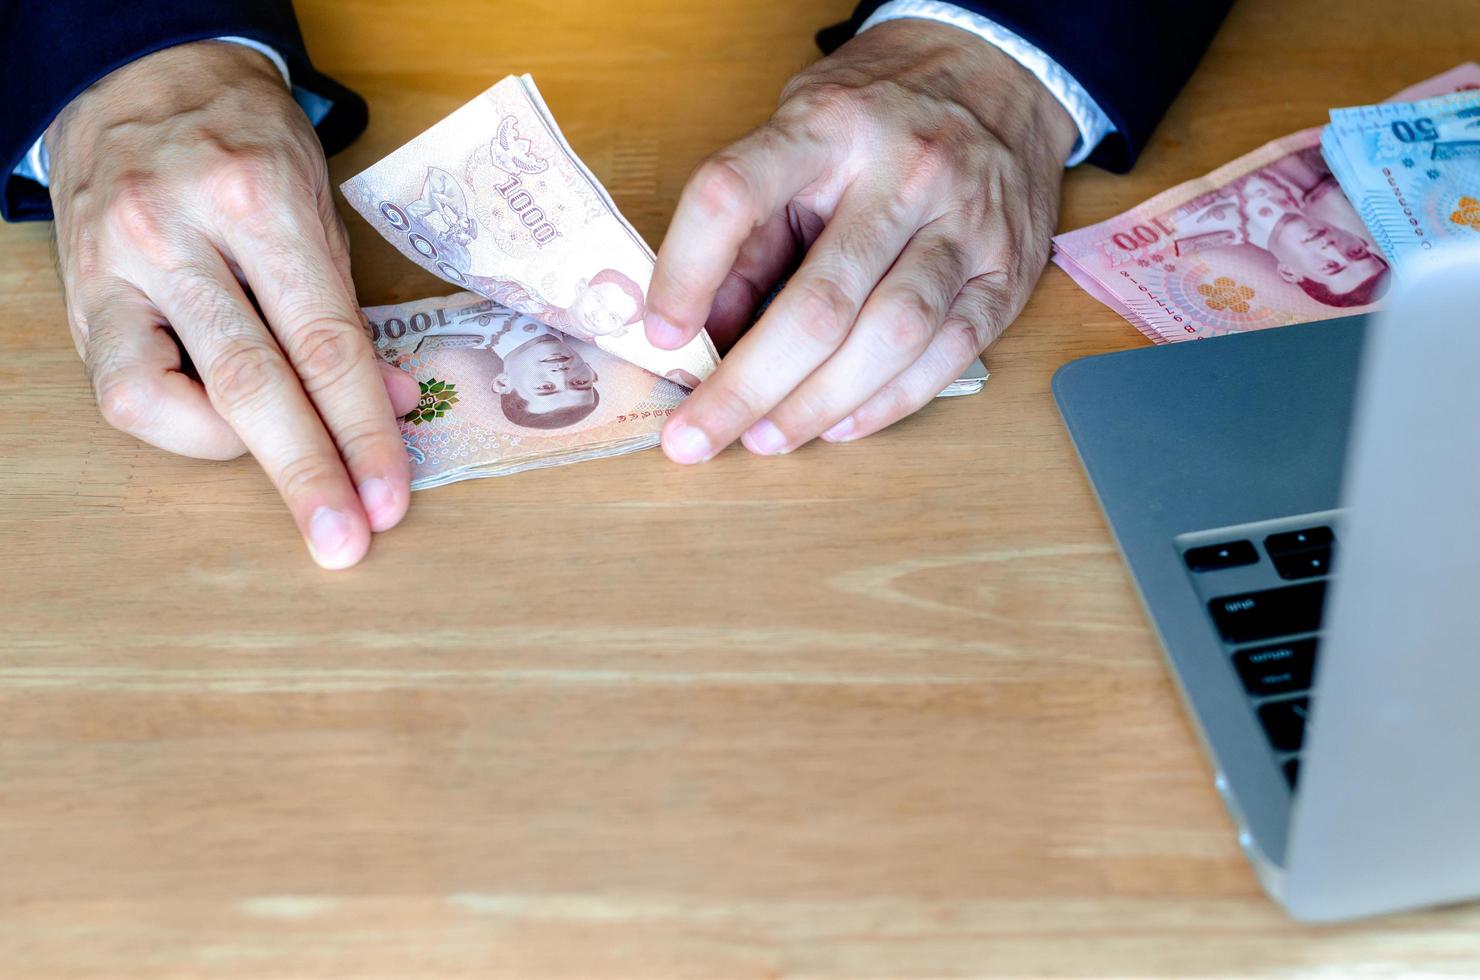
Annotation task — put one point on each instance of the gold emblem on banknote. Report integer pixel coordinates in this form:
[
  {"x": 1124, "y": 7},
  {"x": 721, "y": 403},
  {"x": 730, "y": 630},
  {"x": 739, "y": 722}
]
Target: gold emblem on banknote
[
  {"x": 1226, "y": 294},
  {"x": 1468, "y": 214}
]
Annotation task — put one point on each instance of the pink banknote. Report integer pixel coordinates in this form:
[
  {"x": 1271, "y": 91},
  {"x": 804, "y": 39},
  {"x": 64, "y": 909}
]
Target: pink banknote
[
  {"x": 495, "y": 201},
  {"x": 502, "y": 392},
  {"x": 1264, "y": 241}
]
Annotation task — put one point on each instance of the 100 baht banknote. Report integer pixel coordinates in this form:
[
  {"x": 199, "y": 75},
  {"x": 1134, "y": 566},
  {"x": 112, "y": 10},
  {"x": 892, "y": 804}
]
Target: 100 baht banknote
[
  {"x": 1267, "y": 240},
  {"x": 502, "y": 392},
  {"x": 1412, "y": 170},
  {"x": 495, "y": 201}
]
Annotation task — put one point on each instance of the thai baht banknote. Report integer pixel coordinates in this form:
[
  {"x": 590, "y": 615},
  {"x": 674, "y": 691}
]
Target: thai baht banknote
[{"x": 1266, "y": 240}]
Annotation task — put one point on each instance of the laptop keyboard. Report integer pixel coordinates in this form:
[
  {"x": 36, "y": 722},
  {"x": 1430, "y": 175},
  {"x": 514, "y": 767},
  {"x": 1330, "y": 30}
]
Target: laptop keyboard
[{"x": 1271, "y": 633}]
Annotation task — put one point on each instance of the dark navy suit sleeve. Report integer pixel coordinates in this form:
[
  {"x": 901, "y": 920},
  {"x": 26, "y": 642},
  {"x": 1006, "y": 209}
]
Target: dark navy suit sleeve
[
  {"x": 50, "y": 50},
  {"x": 1131, "y": 56}
]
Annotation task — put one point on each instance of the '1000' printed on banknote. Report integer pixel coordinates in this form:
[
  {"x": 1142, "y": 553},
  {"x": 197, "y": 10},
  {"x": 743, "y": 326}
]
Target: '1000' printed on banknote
[{"x": 495, "y": 201}]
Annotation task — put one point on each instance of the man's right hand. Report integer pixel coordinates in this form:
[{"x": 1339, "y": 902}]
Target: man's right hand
[{"x": 180, "y": 182}]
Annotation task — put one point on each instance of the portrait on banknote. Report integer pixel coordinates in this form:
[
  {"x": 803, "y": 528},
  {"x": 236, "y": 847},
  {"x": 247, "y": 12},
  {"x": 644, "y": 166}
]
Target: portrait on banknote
[
  {"x": 1271, "y": 238},
  {"x": 502, "y": 392},
  {"x": 1293, "y": 216},
  {"x": 520, "y": 372}
]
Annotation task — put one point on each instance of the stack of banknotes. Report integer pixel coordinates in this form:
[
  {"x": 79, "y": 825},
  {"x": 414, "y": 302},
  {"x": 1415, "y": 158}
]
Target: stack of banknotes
[
  {"x": 1273, "y": 238},
  {"x": 541, "y": 359}
]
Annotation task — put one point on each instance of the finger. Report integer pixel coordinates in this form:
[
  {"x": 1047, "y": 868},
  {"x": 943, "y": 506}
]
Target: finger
[
  {"x": 337, "y": 238},
  {"x": 288, "y": 261},
  {"x": 727, "y": 198},
  {"x": 134, "y": 364},
  {"x": 768, "y": 257},
  {"x": 896, "y": 326},
  {"x": 401, "y": 387},
  {"x": 764, "y": 259},
  {"x": 255, "y": 389},
  {"x": 980, "y": 313},
  {"x": 803, "y": 326}
]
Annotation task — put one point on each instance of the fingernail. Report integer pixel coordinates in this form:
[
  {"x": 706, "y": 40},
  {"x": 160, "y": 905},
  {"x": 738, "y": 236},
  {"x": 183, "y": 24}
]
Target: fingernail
[
  {"x": 661, "y": 332},
  {"x": 764, "y": 438},
  {"x": 380, "y": 503},
  {"x": 329, "y": 532},
  {"x": 839, "y": 432},
  {"x": 687, "y": 444}
]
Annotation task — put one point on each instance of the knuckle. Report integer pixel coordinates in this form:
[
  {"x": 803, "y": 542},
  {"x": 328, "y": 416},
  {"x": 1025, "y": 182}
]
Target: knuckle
[
  {"x": 301, "y": 475},
  {"x": 802, "y": 412},
  {"x": 325, "y": 351},
  {"x": 948, "y": 259},
  {"x": 926, "y": 159},
  {"x": 730, "y": 405},
  {"x": 824, "y": 312},
  {"x": 965, "y": 337},
  {"x": 891, "y": 404},
  {"x": 135, "y": 216},
  {"x": 907, "y": 324},
  {"x": 829, "y": 99},
  {"x": 243, "y": 378},
  {"x": 126, "y": 402},
  {"x": 948, "y": 155},
  {"x": 722, "y": 189},
  {"x": 239, "y": 186},
  {"x": 368, "y": 440}
]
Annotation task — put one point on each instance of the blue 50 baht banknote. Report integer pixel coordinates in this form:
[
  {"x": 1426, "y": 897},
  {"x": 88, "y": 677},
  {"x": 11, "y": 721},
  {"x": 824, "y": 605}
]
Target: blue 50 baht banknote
[{"x": 1412, "y": 171}]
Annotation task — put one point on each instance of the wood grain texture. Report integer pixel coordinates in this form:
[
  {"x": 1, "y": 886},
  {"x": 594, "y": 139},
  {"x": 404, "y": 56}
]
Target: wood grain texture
[{"x": 871, "y": 710}]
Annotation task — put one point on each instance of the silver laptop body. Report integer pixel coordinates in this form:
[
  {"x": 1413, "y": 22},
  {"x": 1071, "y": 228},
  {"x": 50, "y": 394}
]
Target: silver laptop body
[{"x": 1300, "y": 509}]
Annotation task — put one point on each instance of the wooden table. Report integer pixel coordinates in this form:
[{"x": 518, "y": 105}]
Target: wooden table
[{"x": 882, "y": 709}]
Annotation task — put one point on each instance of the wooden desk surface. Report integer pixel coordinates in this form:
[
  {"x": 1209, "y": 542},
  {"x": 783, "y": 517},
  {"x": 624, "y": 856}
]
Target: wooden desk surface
[{"x": 881, "y": 709}]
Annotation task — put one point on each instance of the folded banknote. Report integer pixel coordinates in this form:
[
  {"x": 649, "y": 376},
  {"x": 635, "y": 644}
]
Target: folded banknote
[
  {"x": 1266, "y": 240},
  {"x": 1412, "y": 170},
  {"x": 495, "y": 201}
]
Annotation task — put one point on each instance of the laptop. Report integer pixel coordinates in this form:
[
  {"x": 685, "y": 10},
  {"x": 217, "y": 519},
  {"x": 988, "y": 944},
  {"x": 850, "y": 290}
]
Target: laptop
[{"x": 1300, "y": 509}]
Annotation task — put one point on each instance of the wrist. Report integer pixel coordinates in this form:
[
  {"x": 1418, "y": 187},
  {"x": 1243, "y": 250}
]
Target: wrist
[{"x": 994, "y": 86}]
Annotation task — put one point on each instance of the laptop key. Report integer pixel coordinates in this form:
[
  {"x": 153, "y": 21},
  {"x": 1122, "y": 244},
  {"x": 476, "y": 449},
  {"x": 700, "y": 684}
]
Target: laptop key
[
  {"x": 1303, "y": 564},
  {"x": 1252, "y": 616},
  {"x": 1212, "y": 557},
  {"x": 1284, "y": 723},
  {"x": 1292, "y": 772},
  {"x": 1302, "y": 540},
  {"x": 1281, "y": 669}
]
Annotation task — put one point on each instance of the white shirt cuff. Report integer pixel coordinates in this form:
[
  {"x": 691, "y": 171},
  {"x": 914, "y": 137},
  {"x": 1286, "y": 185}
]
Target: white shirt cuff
[
  {"x": 1093, "y": 124},
  {"x": 36, "y": 164}
]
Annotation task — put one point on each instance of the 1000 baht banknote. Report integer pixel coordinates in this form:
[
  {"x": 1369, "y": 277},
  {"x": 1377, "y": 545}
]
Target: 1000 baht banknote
[
  {"x": 1412, "y": 170},
  {"x": 1266, "y": 240},
  {"x": 495, "y": 201},
  {"x": 502, "y": 392}
]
